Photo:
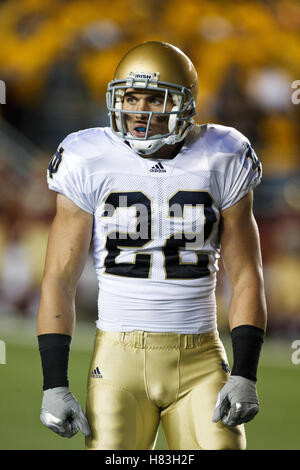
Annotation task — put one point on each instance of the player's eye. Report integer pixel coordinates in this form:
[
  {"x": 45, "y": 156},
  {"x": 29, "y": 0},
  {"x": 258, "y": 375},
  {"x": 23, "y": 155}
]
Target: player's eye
[
  {"x": 157, "y": 101},
  {"x": 130, "y": 100}
]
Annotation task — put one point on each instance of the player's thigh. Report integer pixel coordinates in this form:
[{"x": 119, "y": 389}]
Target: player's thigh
[
  {"x": 118, "y": 420},
  {"x": 188, "y": 423},
  {"x": 118, "y": 410}
]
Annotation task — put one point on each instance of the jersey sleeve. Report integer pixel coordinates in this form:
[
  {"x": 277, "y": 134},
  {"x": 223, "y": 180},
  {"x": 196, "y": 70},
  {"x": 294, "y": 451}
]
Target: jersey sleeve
[
  {"x": 243, "y": 173},
  {"x": 67, "y": 175}
]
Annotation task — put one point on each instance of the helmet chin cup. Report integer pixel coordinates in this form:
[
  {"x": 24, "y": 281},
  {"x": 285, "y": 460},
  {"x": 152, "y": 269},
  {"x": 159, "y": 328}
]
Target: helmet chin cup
[{"x": 146, "y": 147}]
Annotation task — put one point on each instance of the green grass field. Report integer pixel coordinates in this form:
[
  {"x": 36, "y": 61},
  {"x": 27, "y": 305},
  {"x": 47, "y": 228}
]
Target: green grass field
[{"x": 275, "y": 427}]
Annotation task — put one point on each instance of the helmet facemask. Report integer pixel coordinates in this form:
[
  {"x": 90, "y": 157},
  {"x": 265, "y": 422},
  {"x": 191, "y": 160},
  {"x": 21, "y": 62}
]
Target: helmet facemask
[{"x": 180, "y": 118}]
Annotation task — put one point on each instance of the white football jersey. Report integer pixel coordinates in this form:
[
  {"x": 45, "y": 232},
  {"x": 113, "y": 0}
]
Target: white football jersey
[{"x": 156, "y": 240}]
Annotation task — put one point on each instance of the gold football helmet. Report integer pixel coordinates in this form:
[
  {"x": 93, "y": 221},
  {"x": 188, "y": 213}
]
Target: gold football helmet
[{"x": 155, "y": 65}]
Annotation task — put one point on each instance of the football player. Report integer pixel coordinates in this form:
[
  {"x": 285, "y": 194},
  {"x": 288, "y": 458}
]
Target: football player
[{"x": 161, "y": 197}]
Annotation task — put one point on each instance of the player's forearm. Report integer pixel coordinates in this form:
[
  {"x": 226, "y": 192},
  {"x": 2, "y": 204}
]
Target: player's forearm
[
  {"x": 57, "y": 307},
  {"x": 56, "y": 318},
  {"x": 247, "y": 320},
  {"x": 248, "y": 304}
]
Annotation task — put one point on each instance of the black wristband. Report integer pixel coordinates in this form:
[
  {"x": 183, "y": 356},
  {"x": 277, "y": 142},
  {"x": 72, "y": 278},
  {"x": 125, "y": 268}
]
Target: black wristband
[
  {"x": 54, "y": 350},
  {"x": 247, "y": 341}
]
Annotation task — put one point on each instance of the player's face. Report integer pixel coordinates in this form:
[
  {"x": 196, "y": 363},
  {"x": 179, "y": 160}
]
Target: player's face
[{"x": 146, "y": 100}]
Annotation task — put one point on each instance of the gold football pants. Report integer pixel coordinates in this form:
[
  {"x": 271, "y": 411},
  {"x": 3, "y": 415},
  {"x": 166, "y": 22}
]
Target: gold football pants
[{"x": 139, "y": 379}]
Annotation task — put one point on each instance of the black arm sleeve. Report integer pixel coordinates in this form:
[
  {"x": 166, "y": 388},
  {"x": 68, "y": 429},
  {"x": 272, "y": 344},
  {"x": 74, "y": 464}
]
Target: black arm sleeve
[
  {"x": 247, "y": 341},
  {"x": 54, "y": 350}
]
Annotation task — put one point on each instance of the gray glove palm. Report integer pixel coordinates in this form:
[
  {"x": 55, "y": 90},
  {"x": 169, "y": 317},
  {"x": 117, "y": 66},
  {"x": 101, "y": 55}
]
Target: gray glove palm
[
  {"x": 237, "y": 401},
  {"x": 62, "y": 413}
]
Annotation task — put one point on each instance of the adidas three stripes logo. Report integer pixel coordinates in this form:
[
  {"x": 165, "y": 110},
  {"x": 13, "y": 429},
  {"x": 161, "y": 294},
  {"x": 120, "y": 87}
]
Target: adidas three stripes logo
[
  {"x": 158, "y": 168},
  {"x": 96, "y": 374}
]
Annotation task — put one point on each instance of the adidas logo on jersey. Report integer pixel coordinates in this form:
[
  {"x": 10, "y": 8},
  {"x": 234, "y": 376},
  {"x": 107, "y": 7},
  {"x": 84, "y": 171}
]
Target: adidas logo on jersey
[
  {"x": 96, "y": 374},
  {"x": 158, "y": 168}
]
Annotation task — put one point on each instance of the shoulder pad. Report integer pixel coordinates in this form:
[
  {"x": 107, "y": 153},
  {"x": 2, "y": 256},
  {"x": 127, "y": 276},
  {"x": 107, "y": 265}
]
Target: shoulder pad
[
  {"x": 84, "y": 143},
  {"x": 225, "y": 139}
]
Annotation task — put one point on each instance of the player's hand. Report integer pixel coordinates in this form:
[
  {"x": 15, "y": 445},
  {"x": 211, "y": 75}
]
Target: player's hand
[
  {"x": 62, "y": 413},
  {"x": 237, "y": 401}
]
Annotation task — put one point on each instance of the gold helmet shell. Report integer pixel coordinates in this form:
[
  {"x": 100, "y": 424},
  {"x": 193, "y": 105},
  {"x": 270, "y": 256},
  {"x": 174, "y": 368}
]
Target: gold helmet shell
[
  {"x": 172, "y": 65},
  {"x": 155, "y": 65}
]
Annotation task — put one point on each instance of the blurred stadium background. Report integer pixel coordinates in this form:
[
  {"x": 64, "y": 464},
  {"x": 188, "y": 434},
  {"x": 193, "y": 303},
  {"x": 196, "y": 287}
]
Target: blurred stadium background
[{"x": 56, "y": 58}]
